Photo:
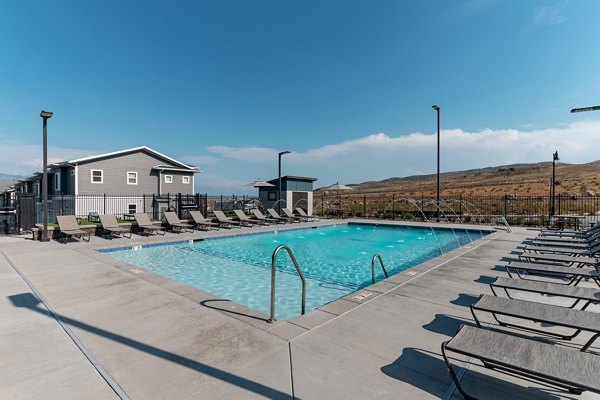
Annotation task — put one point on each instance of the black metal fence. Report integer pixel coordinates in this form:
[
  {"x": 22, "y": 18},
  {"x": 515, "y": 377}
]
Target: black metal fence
[{"x": 517, "y": 210}]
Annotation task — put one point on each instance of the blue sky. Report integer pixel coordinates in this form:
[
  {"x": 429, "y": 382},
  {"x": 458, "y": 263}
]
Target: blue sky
[{"x": 347, "y": 86}]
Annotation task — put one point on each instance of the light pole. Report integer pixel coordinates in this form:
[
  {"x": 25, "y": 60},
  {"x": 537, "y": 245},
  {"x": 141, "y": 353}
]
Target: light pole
[
  {"x": 45, "y": 115},
  {"x": 437, "y": 213},
  {"x": 553, "y": 187},
  {"x": 279, "y": 188},
  {"x": 594, "y": 108}
]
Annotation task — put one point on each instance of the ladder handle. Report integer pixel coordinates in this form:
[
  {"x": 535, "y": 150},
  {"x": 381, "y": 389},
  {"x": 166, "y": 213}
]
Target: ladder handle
[
  {"x": 377, "y": 256},
  {"x": 273, "y": 265}
]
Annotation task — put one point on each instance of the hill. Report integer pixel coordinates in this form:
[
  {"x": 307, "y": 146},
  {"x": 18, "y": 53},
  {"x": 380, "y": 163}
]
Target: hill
[
  {"x": 7, "y": 181},
  {"x": 517, "y": 179}
]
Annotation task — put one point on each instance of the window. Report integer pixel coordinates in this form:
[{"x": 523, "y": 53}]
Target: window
[
  {"x": 131, "y": 208},
  {"x": 97, "y": 176},
  {"x": 272, "y": 196},
  {"x": 132, "y": 178},
  {"x": 168, "y": 179},
  {"x": 185, "y": 180},
  {"x": 72, "y": 172},
  {"x": 57, "y": 181}
]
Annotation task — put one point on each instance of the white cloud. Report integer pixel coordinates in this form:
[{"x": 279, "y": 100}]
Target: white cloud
[
  {"x": 550, "y": 14},
  {"x": 248, "y": 154},
  {"x": 199, "y": 161},
  {"x": 24, "y": 159}
]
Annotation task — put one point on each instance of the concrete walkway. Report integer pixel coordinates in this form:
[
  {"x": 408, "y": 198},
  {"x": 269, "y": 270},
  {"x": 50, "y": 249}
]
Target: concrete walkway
[{"x": 159, "y": 339}]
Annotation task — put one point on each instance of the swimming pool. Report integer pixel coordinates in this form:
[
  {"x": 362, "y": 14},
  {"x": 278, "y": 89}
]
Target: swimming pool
[{"x": 335, "y": 260}]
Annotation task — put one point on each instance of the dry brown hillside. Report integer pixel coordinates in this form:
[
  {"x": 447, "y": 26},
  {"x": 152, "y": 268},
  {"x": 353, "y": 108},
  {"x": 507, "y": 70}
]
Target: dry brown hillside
[{"x": 518, "y": 179}]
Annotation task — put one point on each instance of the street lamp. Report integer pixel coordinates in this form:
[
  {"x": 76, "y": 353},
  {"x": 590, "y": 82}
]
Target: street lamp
[
  {"x": 595, "y": 108},
  {"x": 553, "y": 187},
  {"x": 437, "y": 214},
  {"x": 279, "y": 188},
  {"x": 45, "y": 116}
]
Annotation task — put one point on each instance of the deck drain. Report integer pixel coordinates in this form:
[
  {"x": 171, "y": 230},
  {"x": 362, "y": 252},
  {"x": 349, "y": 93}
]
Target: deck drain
[
  {"x": 136, "y": 270},
  {"x": 362, "y": 296},
  {"x": 412, "y": 273}
]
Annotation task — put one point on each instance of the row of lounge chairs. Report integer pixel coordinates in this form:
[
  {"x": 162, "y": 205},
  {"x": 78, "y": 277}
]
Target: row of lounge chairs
[
  {"x": 110, "y": 227},
  {"x": 550, "y": 276}
]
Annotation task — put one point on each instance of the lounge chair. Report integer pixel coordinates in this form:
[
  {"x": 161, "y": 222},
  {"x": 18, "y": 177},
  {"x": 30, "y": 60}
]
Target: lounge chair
[
  {"x": 302, "y": 213},
  {"x": 70, "y": 228},
  {"x": 562, "y": 259},
  {"x": 200, "y": 221},
  {"x": 575, "y": 371},
  {"x": 582, "y": 234},
  {"x": 261, "y": 217},
  {"x": 278, "y": 217},
  {"x": 579, "y": 294},
  {"x": 245, "y": 220},
  {"x": 225, "y": 221},
  {"x": 291, "y": 216},
  {"x": 111, "y": 227},
  {"x": 546, "y": 314},
  {"x": 176, "y": 224},
  {"x": 566, "y": 244},
  {"x": 589, "y": 251},
  {"x": 145, "y": 225},
  {"x": 571, "y": 275}
]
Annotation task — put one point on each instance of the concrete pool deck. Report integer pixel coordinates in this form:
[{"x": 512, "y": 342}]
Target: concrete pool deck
[{"x": 158, "y": 339}]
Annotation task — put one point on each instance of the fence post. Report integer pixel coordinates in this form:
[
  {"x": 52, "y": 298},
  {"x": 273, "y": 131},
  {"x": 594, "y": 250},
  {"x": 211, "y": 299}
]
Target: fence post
[
  {"x": 365, "y": 206},
  {"x": 104, "y": 203},
  {"x": 393, "y": 207},
  {"x": 144, "y": 202},
  {"x": 221, "y": 202},
  {"x": 505, "y": 205},
  {"x": 322, "y": 204},
  {"x": 559, "y": 196}
]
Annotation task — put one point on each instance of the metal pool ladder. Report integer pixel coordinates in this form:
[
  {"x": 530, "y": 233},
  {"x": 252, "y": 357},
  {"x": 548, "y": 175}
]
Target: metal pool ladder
[
  {"x": 377, "y": 256},
  {"x": 273, "y": 264}
]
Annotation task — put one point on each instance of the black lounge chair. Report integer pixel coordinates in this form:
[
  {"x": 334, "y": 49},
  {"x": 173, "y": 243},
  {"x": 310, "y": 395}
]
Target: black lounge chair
[
  {"x": 302, "y": 213},
  {"x": 295, "y": 218},
  {"x": 111, "y": 227},
  {"x": 261, "y": 217},
  {"x": 278, "y": 217},
  {"x": 246, "y": 220},
  {"x": 547, "y": 314},
  {"x": 146, "y": 226},
  {"x": 70, "y": 228},
  {"x": 563, "y": 244},
  {"x": 575, "y": 371},
  {"x": 176, "y": 224},
  {"x": 562, "y": 233},
  {"x": 559, "y": 259},
  {"x": 572, "y": 275},
  {"x": 225, "y": 221},
  {"x": 579, "y": 294},
  {"x": 589, "y": 251},
  {"x": 201, "y": 222}
]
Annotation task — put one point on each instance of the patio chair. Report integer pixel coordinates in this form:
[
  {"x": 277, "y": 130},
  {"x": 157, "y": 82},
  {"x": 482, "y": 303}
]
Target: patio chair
[
  {"x": 225, "y": 221},
  {"x": 590, "y": 251},
  {"x": 545, "y": 314},
  {"x": 565, "y": 242},
  {"x": 145, "y": 225},
  {"x": 246, "y": 220},
  {"x": 291, "y": 216},
  {"x": 278, "y": 217},
  {"x": 302, "y": 213},
  {"x": 570, "y": 275},
  {"x": 559, "y": 259},
  {"x": 575, "y": 371},
  {"x": 585, "y": 295},
  {"x": 111, "y": 227},
  {"x": 176, "y": 224},
  {"x": 70, "y": 228},
  {"x": 200, "y": 221},
  {"x": 261, "y": 217},
  {"x": 587, "y": 233}
]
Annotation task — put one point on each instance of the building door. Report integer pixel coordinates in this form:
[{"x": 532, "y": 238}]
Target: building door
[
  {"x": 299, "y": 199},
  {"x": 26, "y": 210}
]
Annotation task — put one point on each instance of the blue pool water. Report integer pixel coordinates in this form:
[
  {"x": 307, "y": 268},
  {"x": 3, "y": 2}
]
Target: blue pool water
[{"x": 335, "y": 260}]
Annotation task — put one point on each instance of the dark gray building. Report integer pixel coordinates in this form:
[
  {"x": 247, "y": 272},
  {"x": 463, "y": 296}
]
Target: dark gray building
[{"x": 296, "y": 191}]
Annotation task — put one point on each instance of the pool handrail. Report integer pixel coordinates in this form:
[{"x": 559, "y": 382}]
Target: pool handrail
[
  {"x": 273, "y": 262},
  {"x": 377, "y": 256}
]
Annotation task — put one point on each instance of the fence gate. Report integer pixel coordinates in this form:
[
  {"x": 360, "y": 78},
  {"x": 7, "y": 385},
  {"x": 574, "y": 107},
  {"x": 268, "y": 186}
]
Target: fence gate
[{"x": 26, "y": 211}]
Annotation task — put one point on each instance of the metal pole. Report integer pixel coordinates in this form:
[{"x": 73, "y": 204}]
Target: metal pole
[
  {"x": 437, "y": 212},
  {"x": 45, "y": 115},
  {"x": 279, "y": 188}
]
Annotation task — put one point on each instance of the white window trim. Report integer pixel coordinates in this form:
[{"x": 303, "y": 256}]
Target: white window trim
[
  {"x": 101, "y": 175},
  {"x": 136, "y": 177},
  {"x": 57, "y": 181},
  {"x": 134, "y": 207},
  {"x": 184, "y": 179},
  {"x": 72, "y": 172},
  {"x": 168, "y": 178}
]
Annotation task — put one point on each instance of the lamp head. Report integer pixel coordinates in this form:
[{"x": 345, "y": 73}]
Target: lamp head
[
  {"x": 436, "y": 107},
  {"x": 284, "y": 152},
  {"x": 46, "y": 114},
  {"x": 555, "y": 156}
]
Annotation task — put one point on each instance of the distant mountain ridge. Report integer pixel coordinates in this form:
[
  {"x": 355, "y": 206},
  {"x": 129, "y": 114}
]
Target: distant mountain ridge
[
  {"x": 6, "y": 180},
  {"x": 515, "y": 179}
]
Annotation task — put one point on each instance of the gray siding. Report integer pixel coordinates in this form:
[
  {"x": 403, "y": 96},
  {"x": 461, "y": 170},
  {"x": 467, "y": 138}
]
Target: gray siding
[
  {"x": 177, "y": 186},
  {"x": 114, "y": 174}
]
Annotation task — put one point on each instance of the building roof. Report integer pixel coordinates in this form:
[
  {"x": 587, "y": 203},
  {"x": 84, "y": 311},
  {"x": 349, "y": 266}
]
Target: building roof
[
  {"x": 183, "y": 166},
  {"x": 293, "y": 178}
]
